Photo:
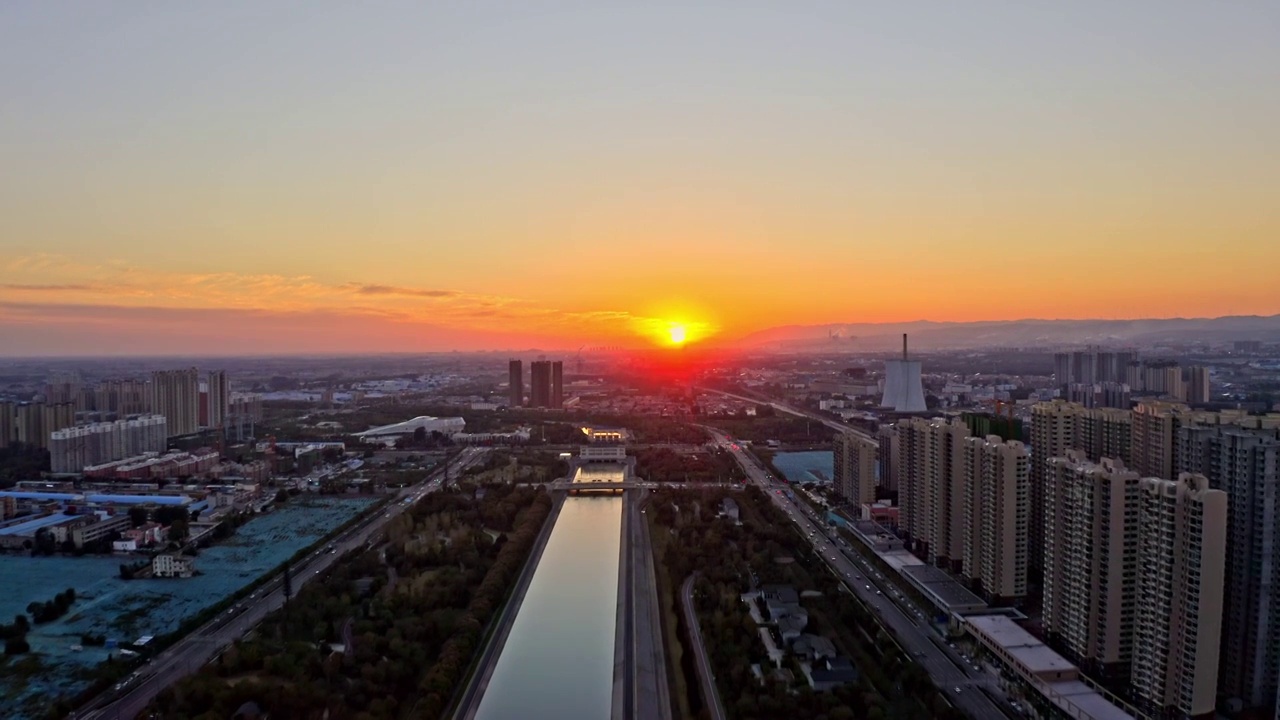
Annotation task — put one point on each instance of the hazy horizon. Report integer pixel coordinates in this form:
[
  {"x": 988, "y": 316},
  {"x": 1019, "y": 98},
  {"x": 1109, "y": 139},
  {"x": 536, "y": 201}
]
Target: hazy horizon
[
  {"x": 294, "y": 178},
  {"x": 755, "y": 340}
]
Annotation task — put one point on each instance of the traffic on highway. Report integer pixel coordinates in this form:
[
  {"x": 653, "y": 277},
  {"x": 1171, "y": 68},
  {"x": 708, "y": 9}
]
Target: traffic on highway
[{"x": 965, "y": 684}]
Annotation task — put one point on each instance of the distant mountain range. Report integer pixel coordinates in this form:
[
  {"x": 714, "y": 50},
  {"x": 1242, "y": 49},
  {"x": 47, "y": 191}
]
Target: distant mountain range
[{"x": 927, "y": 335}]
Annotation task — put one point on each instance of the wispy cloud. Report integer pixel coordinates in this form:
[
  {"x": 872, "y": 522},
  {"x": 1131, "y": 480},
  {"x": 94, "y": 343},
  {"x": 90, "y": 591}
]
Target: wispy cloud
[
  {"x": 21, "y": 287},
  {"x": 408, "y": 292},
  {"x": 73, "y": 291}
]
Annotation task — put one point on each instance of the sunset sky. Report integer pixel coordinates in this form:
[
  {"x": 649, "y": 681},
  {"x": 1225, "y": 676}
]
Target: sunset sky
[{"x": 271, "y": 176}]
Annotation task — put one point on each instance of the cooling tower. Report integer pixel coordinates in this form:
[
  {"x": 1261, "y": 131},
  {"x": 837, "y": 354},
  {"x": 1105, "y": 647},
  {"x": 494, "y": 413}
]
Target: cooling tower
[{"x": 903, "y": 388}]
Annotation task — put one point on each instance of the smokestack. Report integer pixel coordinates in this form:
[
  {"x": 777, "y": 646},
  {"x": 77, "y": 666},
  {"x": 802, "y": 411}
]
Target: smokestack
[{"x": 904, "y": 346}]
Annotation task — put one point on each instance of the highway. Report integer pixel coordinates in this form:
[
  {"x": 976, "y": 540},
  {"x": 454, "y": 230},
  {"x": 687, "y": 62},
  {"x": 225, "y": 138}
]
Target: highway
[
  {"x": 127, "y": 699},
  {"x": 649, "y": 697},
  {"x": 706, "y": 678},
  {"x": 783, "y": 407},
  {"x": 974, "y": 691}
]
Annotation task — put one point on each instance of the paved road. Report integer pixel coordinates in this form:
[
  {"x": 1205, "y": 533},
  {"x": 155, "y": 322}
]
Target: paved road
[
  {"x": 965, "y": 687},
  {"x": 625, "y": 637},
  {"x": 790, "y": 410},
  {"x": 705, "y": 677},
  {"x": 189, "y": 654},
  {"x": 650, "y": 697}
]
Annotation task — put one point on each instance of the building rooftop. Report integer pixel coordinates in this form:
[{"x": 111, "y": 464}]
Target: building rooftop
[
  {"x": 1079, "y": 700},
  {"x": 31, "y": 526},
  {"x": 944, "y": 591},
  {"x": 816, "y": 645},
  {"x": 1022, "y": 645}
]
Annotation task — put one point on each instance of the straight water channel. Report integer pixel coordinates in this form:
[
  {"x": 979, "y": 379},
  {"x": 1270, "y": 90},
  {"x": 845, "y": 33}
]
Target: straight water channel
[{"x": 558, "y": 660}]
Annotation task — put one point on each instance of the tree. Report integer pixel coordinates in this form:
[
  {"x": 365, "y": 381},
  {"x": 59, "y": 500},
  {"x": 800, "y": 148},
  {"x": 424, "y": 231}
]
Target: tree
[
  {"x": 16, "y": 646},
  {"x": 167, "y": 514},
  {"x": 281, "y": 496},
  {"x": 178, "y": 530},
  {"x": 138, "y": 516}
]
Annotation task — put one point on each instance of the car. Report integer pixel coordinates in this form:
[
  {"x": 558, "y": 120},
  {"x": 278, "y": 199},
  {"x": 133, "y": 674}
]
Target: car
[{"x": 957, "y": 689}]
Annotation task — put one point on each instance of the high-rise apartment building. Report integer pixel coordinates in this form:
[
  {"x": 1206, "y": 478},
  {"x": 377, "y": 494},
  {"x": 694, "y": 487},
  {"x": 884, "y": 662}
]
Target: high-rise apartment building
[
  {"x": 1104, "y": 432},
  {"x": 995, "y": 516},
  {"x": 540, "y": 383},
  {"x": 1090, "y": 554},
  {"x": 890, "y": 455},
  {"x": 930, "y": 492},
  {"x": 8, "y": 431},
  {"x": 546, "y": 383},
  {"x": 1082, "y": 394},
  {"x": 63, "y": 389},
  {"x": 1099, "y": 395},
  {"x": 1104, "y": 364},
  {"x": 1163, "y": 377},
  {"x": 56, "y": 416},
  {"x": 855, "y": 459},
  {"x": 1196, "y": 379},
  {"x": 1114, "y": 395},
  {"x": 33, "y": 423},
  {"x": 1182, "y": 540},
  {"x": 515, "y": 383},
  {"x": 1062, "y": 375},
  {"x": 122, "y": 397},
  {"x": 1084, "y": 367},
  {"x": 1053, "y": 433},
  {"x": 1091, "y": 366},
  {"x": 557, "y": 384},
  {"x": 1245, "y": 464},
  {"x": 1133, "y": 375},
  {"x": 74, "y": 448},
  {"x": 175, "y": 394},
  {"x": 218, "y": 397},
  {"x": 1155, "y": 427}
]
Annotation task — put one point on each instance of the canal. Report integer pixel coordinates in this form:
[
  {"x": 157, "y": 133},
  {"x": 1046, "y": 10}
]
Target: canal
[{"x": 558, "y": 660}]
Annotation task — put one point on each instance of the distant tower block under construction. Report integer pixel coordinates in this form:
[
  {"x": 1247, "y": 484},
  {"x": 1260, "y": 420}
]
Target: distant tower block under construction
[{"x": 903, "y": 388}]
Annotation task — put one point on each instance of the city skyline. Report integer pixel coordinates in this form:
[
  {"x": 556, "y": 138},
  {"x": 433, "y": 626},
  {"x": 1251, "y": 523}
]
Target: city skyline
[{"x": 321, "y": 177}]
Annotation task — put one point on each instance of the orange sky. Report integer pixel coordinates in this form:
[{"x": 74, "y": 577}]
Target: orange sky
[{"x": 427, "y": 179}]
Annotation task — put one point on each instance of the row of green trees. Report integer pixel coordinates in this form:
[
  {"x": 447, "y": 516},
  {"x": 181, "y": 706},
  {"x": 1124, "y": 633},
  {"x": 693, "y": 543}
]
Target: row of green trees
[
  {"x": 666, "y": 465},
  {"x": 387, "y": 632},
  {"x": 15, "y": 634},
  {"x": 50, "y": 610},
  {"x": 731, "y": 559}
]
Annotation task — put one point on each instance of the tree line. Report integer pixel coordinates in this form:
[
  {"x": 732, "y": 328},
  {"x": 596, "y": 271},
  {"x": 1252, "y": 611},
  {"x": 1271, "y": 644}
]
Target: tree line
[
  {"x": 387, "y": 632},
  {"x": 766, "y": 549},
  {"x": 15, "y": 634}
]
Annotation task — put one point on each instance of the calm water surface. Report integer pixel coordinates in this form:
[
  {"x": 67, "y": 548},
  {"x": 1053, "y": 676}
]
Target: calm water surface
[{"x": 558, "y": 660}]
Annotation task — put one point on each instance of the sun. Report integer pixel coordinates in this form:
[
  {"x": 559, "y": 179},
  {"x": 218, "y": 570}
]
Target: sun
[{"x": 677, "y": 334}]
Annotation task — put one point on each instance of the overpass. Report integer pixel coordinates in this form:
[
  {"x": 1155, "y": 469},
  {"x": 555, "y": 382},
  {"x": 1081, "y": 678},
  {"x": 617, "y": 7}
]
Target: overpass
[
  {"x": 798, "y": 412},
  {"x": 570, "y": 486}
]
